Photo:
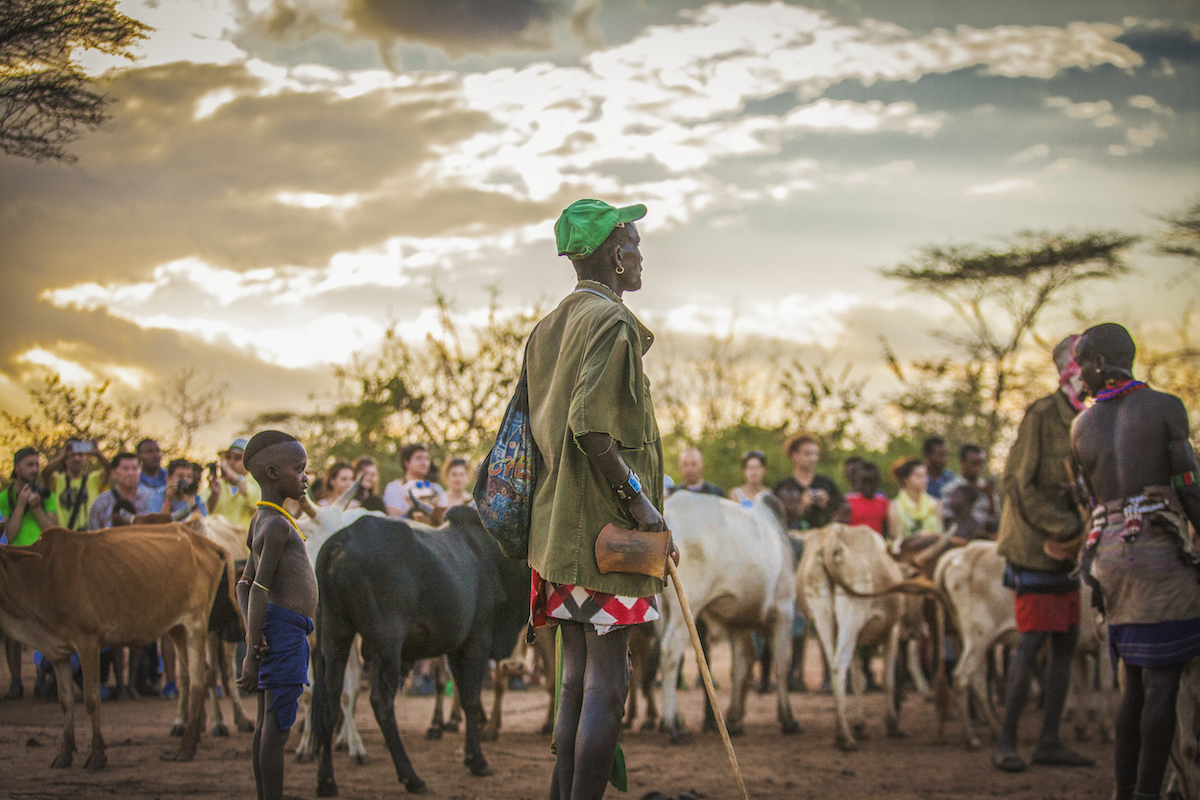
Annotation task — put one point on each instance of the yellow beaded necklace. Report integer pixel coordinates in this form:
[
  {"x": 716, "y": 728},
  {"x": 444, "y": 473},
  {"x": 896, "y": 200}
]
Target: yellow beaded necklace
[{"x": 282, "y": 510}]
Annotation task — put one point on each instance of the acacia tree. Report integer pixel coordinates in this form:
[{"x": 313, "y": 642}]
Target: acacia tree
[
  {"x": 1182, "y": 236},
  {"x": 61, "y": 412},
  {"x": 193, "y": 402},
  {"x": 45, "y": 95},
  {"x": 997, "y": 296}
]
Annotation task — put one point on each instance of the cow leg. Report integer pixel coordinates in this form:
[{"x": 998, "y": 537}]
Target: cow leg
[
  {"x": 330, "y": 671},
  {"x": 674, "y": 640},
  {"x": 636, "y": 665},
  {"x": 468, "y": 665},
  {"x": 228, "y": 654},
  {"x": 306, "y": 750},
  {"x": 439, "y": 672},
  {"x": 351, "y": 683},
  {"x": 857, "y": 679},
  {"x": 182, "y": 682},
  {"x": 213, "y": 656},
  {"x": 649, "y": 670},
  {"x": 66, "y": 702},
  {"x": 967, "y": 678},
  {"x": 781, "y": 664},
  {"x": 742, "y": 646},
  {"x": 194, "y": 638},
  {"x": 505, "y": 671},
  {"x": 386, "y": 677},
  {"x": 89, "y": 661},
  {"x": 850, "y": 618},
  {"x": 915, "y": 670},
  {"x": 891, "y": 696}
]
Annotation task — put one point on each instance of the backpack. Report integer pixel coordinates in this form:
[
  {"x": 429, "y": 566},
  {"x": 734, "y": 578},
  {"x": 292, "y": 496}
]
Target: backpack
[{"x": 507, "y": 476}]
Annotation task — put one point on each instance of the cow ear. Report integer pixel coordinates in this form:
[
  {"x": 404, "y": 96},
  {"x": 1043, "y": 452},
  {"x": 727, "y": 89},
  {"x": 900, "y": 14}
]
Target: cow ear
[{"x": 11, "y": 554}]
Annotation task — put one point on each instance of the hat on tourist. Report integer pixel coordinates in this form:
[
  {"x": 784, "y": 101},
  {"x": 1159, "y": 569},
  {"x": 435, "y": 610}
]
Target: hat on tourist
[
  {"x": 238, "y": 444},
  {"x": 585, "y": 224},
  {"x": 24, "y": 453}
]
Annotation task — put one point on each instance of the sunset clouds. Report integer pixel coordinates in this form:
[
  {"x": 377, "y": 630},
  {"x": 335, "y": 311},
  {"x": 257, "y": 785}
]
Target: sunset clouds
[{"x": 270, "y": 196}]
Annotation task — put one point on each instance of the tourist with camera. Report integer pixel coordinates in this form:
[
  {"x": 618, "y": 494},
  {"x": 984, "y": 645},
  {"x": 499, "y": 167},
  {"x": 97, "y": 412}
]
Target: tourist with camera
[
  {"x": 125, "y": 499},
  {"x": 74, "y": 485},
  {"x": 182, "y": 491},
  {"x": 28, "y": 509},
  {"x": 233, "y": 492}
]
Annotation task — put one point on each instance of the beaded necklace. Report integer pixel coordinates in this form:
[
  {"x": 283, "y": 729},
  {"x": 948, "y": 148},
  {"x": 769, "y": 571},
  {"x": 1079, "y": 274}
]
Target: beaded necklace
[
  {"x": 282, "y": 510},
  {"x": 1119, "y": 390}
]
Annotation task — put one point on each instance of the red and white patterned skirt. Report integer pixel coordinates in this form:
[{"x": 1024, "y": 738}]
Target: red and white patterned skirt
[{"x": 563, "y": 601}]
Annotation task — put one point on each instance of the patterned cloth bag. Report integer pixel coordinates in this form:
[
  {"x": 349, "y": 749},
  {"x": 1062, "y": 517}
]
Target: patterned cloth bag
[{"x": 504, "y": 486}]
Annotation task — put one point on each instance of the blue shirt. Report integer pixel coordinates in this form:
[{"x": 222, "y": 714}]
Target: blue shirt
[
  {"x": 182, "y": 505},
  {"x": 156, "y": 484},
  {"x": 937, "y": 484}
]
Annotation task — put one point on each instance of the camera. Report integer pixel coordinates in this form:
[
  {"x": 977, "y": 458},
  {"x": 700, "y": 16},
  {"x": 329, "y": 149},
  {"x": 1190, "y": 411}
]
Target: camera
[
  {"x": 187, "y": 488},
  {"x": 83, "y": 447},
  {"x": 42, "y": 491}
]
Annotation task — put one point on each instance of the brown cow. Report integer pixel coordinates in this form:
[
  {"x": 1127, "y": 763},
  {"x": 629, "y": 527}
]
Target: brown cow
[{"x": 73, "y": 592}]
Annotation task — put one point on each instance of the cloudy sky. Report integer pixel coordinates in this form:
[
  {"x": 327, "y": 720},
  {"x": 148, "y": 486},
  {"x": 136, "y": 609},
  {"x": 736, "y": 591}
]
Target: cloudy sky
[{"x": 281, "y": 178}]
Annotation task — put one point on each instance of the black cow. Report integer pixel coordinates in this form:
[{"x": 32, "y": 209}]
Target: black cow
[{"x": 413, "y": 593}]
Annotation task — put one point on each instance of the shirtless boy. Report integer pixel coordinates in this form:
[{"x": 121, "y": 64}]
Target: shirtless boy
[
  {"x": 278, "y": 597},
  {"x": 1137, "y": 461}
]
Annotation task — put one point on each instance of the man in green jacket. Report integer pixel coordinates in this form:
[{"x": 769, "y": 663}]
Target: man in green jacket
[
  {"x": 1038, "y": 521},
  {"x": 593, "y": 422}
]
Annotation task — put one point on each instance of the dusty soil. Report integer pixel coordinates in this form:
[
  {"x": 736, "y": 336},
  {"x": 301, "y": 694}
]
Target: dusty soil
[{"x": 775, "y": 766}]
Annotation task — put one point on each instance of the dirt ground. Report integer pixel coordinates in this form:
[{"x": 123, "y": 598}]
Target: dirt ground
[{"x": 803, "y": 766}]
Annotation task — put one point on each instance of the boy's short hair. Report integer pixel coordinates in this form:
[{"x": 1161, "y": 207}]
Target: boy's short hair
[
  {"x": 931, "y": 443},
  {"x": 969, "y": 492},
  {"x": 968, "y": 449},
  {"x": 261, "y": 441},
  {"x": 868, "y": 468}
]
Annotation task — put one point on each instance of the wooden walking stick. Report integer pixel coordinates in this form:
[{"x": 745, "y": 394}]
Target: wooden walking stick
[{"x": 619, "y": 550}]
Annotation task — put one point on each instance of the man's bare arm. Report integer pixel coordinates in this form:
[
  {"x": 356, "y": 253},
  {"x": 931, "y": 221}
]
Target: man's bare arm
[
  {"x": 602, "y": 450},
  {"x": 1183, "y": 462},
  {"x": 274, "y": 533}
]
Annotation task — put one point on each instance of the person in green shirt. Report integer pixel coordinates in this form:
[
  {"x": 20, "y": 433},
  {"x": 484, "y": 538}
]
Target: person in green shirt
[
  {"x": 28, "y": 510},
  {"x": 593, "y": 422}
]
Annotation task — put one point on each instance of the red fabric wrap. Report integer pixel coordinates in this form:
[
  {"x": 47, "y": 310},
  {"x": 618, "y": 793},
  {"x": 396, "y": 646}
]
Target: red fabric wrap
[{"x": 1047, "y": 613}]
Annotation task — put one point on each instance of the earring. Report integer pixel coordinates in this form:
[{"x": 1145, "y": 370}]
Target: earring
[{"x": 620, "y": 270}]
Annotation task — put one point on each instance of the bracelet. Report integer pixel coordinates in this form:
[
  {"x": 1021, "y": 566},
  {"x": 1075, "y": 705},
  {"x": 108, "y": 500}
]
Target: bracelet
[
  {"x": 1183, "y": 479},
  {"x": 259, "y": 585},
  {"x": 630, "y": 488}
]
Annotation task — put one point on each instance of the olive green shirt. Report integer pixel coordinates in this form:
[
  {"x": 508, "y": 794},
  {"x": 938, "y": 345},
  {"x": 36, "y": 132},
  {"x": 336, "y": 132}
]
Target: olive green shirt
[
  {"x": 1038, "y": 507},
  {"x": 584, "y": 371}
]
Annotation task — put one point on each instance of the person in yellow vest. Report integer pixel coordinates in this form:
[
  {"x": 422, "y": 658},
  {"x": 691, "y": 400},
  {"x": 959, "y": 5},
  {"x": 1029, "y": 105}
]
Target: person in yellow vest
[
  {"x": 232, "y": 490},
  {"x": 75, "y": 485}
]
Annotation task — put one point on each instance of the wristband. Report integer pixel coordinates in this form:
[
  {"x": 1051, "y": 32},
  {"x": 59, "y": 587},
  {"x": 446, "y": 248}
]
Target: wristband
[
  {"x": 1185, "y": 479},
  {"x": 630, "y": 488}
]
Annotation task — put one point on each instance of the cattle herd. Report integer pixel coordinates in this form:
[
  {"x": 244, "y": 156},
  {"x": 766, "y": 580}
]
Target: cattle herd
[{"x": 393, "y": 592}]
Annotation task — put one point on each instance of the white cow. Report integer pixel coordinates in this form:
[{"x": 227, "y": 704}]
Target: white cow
[
  {"x": 317, "y": 526},
  {"x": 736, "y": 567},
  {"x": 973, "y": 579},
  {"x": 852, "y": 589}
]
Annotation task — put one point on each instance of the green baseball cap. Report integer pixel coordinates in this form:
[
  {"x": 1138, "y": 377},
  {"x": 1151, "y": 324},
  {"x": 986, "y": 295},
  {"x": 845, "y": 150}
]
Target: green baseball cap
[{"x": 585, "y": 224}]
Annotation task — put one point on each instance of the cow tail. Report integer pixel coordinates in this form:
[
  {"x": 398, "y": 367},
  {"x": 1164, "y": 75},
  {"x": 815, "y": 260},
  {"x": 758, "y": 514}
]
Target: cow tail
[{"x": 941, "y": 683}]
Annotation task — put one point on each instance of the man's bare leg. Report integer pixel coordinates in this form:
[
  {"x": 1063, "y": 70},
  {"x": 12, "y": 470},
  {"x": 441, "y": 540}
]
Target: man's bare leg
[
  {"x": 570, "y": 708},
  {"x": 1016, "y": 694},
  {"x": 256, "y": 744},
  {"x": 270, "y": 751},
  {"x": 1161, "y": 686},
  {"x": 605, "y": 686},
  {"x": 1050, "y": 749}
]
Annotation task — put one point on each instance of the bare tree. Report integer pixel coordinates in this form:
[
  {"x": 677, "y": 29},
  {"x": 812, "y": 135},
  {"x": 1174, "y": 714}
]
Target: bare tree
[
  {"x": 998, "y": 295},
  {"x": 61, "y": 412},
  {"x": 193, "y": 402},
  {"x": 45, "y": 95},
  {"x": 1182, "y": 236}
]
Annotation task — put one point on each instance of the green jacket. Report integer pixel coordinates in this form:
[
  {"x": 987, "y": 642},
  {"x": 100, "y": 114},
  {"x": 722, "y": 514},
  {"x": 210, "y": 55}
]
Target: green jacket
[
  {"x": 1038, "y": 505},
  {"x": 584, "y": 370}
]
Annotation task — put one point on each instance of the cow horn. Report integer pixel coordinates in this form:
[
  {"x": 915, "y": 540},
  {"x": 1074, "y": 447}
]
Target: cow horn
[
  {"x": 306, "y": 505},
  {"x": 348, "y": 495}
]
